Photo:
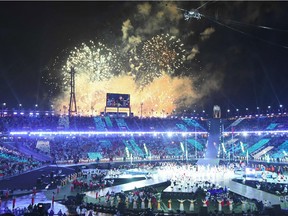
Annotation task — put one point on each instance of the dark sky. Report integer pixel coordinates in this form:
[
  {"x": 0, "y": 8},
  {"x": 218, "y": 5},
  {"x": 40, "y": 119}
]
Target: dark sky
[{"x": 248, "y": 60}]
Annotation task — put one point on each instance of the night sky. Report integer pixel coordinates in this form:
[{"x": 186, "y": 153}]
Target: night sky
[{"x": 240, "y": 56}]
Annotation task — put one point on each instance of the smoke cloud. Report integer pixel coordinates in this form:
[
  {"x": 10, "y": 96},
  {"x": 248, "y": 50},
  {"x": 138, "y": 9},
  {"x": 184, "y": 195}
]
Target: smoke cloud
[
  {"x": 207, "y": 33},
  {"x": 193, "y": 53}
]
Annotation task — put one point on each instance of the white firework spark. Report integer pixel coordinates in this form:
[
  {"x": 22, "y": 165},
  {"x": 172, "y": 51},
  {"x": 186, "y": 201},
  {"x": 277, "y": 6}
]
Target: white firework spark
[{"x": 162, "y": 54}]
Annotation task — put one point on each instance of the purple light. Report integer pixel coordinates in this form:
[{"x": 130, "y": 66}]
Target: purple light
[
  {"x": 70, "y": 133},
  {"x": 19, "y": 133},
  {"x": 256, "y": 132}
]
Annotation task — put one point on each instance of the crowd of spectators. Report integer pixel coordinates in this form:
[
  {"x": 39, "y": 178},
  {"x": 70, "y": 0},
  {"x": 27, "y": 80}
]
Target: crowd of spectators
[
  {"x": 262, "y": 136},
  {"x": 257, "y": 123},
  {"x": 269, "y": 147},
  {"x": 74, "y": 149},
  {"x": 13, "y": 162},
  {"x": 56, "y": 122},
  {"x": 117, "y": 147}
]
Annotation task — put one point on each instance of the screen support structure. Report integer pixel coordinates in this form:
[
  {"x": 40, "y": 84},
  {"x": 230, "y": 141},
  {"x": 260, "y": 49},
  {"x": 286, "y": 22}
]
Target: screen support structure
[
  {"x": 72, "y": 104},
  {"x": 127, "y": 110}
]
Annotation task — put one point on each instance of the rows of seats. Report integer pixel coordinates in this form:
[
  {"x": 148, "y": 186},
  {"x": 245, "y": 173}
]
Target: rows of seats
[
  {"x": 263, "y": 123},
  {"x": 13, "y": 162},
  {"x": 239, "y": 144},
  {"x": 97, "y": 123},
  {"x": 79, "y": 148}
]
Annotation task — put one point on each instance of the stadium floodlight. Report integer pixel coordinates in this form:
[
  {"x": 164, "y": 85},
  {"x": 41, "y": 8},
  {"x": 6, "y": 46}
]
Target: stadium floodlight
[
  {"x": 19, "y": 133},
  {"x": 170, "y": 134},
  {"x": 269, "y": 110},
  {"x": 244, "y": 133}
]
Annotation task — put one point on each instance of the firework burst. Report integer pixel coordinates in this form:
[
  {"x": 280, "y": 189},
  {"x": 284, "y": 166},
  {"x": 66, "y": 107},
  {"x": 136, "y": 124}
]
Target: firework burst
[
  {"x": 162, "y": 54},
  {"x": 97, "y": 61},
  {"x": 148, "y": 79}
]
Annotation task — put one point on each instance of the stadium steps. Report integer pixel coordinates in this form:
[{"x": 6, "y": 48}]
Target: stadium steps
[
  {"x": 257, "y": 145},
  {"x": 129, "y": 147},
  {"x": 262, "y": 152},
  {"x": 213, "y": 139},
  {"x": 122, "y": 125},
  {"x": 99, "y": 124},
  {"x": 239, "y": 149},
  {"x": 136, "y": 147},
  {"x": 182, "y": 127},
  {"x": 108, "y": 122},
  {"x": 231, "y": 142},
  {"x": 272, "y": 126},
  {"x": 196, "y": 144},
  {"x": 280, "y": 149},
  {"x": 236, "y": 122},
  {"x": 193, "y": 123}
]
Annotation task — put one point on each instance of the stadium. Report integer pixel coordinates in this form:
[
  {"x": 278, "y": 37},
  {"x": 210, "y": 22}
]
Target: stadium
[
  {"x": 143, "y": 108},
  {"x": 178, "y": 165}
]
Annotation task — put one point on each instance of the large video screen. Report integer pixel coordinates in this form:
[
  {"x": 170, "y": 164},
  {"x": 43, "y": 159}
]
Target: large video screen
[{"x": 118, "y": 100}]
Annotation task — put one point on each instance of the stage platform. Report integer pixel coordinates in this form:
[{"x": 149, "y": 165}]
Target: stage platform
[
  {"x": 225, "y": 180},
  {"x": 153, "y": 181},
  {"x": 131, "y": 175}
]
